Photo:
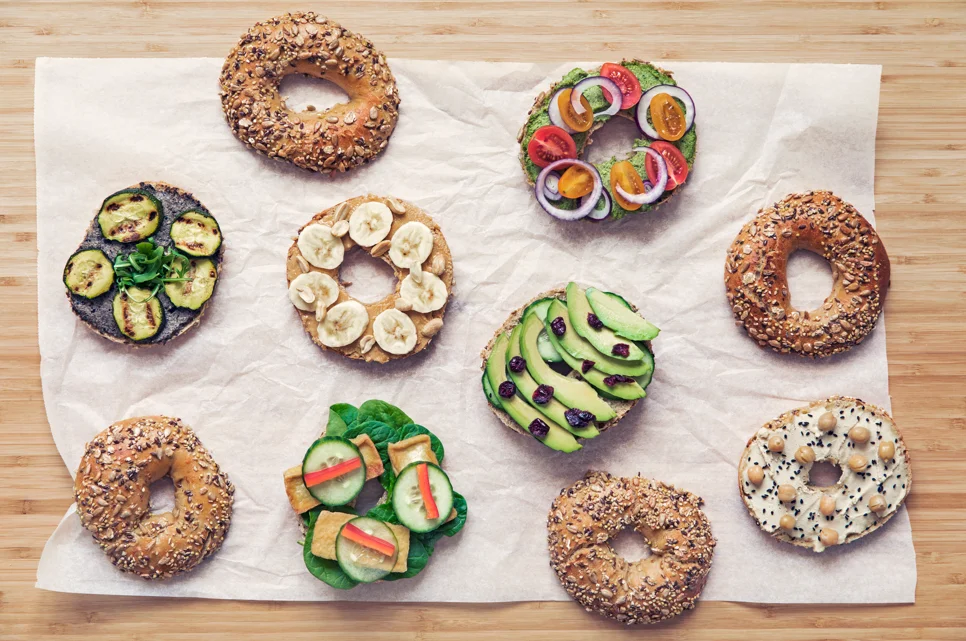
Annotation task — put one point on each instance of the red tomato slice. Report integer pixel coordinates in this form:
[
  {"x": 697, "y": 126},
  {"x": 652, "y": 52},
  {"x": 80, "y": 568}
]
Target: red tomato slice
[
  {"x": 677, "y": 166},
  {"x": 629, "y": 85},
  {"x": 549, "y": 144}
]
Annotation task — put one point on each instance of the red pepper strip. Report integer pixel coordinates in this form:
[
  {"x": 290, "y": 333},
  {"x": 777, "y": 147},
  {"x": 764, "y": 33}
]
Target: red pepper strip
[
  {"x": 327, "y": 474},
  {"x": 432, "y": 512},
  {"x": 356, "y": 535}
]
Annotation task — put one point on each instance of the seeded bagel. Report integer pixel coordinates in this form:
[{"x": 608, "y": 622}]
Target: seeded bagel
[
  {"x": 335, "y": 140},
  {"x": 756, "y": 278},
  {"x": 112, "y": 493}
]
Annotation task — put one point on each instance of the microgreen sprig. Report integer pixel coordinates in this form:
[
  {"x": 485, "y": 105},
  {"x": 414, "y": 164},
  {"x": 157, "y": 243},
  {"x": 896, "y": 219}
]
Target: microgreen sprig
[{"x": 150, "y": 267}]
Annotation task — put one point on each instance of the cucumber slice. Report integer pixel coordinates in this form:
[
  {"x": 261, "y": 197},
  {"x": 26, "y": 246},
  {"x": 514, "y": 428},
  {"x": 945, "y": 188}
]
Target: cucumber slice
[
  {"x": 196, "y": 233},
  {"x": 491, "y": 396},
  {"x": 407, "y": 500},
  {"x": 539, "y": 307},
  {"x": 645, "y": 379},
  {"x": 359, "y": 562},
  {"x": 88, "y": 273},
  {"x": 129, "y": 215},
  {"x": 192, "y": 294},
  {"x": 329, "y": 451},
  {"x": 546, "y": 349},
  {"x": 138, "y": 314}
]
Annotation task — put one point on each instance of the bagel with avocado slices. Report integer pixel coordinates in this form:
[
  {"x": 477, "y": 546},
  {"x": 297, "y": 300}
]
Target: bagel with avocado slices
[
  {"x": 345, "y": 545},
  {"x": 563, "y": 119},
  {"x": 568, "y": 365},
  {"x": 147, "y": 267}
]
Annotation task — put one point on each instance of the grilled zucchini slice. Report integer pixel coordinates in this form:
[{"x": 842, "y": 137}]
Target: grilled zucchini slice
[
  {"x": 193, "y": 293},
  {"x": 88, "y": 273},
  {"x": 196, "y": 233},
  {"x": 130, "y": 215},
  {"x": 137, "y": 320}
]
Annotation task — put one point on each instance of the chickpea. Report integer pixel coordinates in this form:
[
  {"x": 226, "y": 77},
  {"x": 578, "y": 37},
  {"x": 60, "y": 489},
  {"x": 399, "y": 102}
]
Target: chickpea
[
  {"x": 857, "y": 463},
  {"x": 805, "y": 455},
  {"x": 827, "y": 505},
  {"x": 877, "y": 504},
  {"x": 828, "y": 536},
  {"x": 887, "y": 450},
  {"x": 755, "y": 474},
  {"x": 859, "y": 434},
  {"x": 827, "y": 422},
  {"x": 787, "y": 522},
  {"x": 787, "y": 493},
  {"x": 776, "y": 443}
]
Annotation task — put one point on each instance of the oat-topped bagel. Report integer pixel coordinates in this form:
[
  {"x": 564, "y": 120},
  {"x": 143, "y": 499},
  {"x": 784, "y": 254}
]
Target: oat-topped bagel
[
  {"x": 756, "y": 279},
  {"x": 347, "y": 135},
  {"x": 396, "y": 232},
  {"x": 112, "y": 494},
  {"x": 862, "y": 439},
  {"x": 592, "y": 511},
  {"x": 568, "y": 365}
]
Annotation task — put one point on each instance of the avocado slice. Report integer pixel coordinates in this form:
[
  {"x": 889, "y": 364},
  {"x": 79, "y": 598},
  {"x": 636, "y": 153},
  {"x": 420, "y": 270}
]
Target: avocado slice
[
  {"x": 602, "y": 339},
  {"x": 580, "y": 350},
  {"x": 526, "y": 386},
  {"x": 557, "y": 438},
  {"x": 569, "y": 391},
  {"x": 615, "y": 315},
  {"x": 628, "y": 391}
]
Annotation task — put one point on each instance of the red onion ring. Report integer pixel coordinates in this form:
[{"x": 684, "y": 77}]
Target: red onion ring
[
  {"x": 645, "y": 104},
  {"x": 587, "y": 203},
  {"x": 550, "y": 186},
  {"x": 604, "y": 212},
  {"x": 597, "y": 81},
  {"x": 651, "y": 196},
  {"x": 553, "y": 110}
]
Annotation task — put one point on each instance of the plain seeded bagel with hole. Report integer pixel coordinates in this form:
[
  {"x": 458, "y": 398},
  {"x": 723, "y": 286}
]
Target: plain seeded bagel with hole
[
  {"x": 112, "y": 493},
  {"x": 620, "y": 406},
  {"x": 338, "y": 139},
  {"x": 756, "y": 278}
]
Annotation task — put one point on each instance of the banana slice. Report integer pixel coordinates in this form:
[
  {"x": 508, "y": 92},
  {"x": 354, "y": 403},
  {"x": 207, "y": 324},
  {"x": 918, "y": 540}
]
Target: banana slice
[
  {"x": 370, "y": 223},
  {"x": 320, "y": 247},
  {"x": 428, "y": 295},
  {"x": 394, "y": 332},
  {"x": 308, "y": 290},
  {"x": 344, "y": 323},
  {"x": 411, "y": 245}
]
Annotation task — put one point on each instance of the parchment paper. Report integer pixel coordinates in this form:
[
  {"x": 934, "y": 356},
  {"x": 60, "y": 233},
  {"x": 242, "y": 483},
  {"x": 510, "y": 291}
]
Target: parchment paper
[{"x": 257, "y": 391}]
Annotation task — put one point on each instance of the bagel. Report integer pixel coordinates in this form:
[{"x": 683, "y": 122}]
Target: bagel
[
  {"x": 756, "y": 279},
  {"x": 588, "y": 514},
  {"x": 368, "y": 343},
  {"x": 862, "y": 439},
  {"x": 335, "y": 140},
  {"x": 112, "y": 494}
]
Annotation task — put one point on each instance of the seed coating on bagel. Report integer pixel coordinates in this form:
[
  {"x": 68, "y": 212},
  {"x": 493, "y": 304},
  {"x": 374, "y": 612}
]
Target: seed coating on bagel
[
  {"x": 335, "y": 140},
  {"x": 112, "y": 493},
  {"x": 757, "y": 283},
  {"x": 592, "y": 511}
]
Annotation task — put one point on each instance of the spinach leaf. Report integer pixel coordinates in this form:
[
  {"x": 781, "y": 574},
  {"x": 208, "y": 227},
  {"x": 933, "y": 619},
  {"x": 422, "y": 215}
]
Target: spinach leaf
[
  {"x": 429, "y": 539},
  {"x": 384, "y": 412},
  {"x": 415, "y": 562},
  {"x": 323, "y": 569},
  {"x": 383, "y": 512},
  {"x": 341, "y": 416},
  {"x": 412, "y": 429},
  {"x": 380, "y": 433}
]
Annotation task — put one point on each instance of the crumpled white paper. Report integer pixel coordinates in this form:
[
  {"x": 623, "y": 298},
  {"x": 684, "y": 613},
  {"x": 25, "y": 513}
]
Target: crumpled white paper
[{"x": 257, "y": 390}]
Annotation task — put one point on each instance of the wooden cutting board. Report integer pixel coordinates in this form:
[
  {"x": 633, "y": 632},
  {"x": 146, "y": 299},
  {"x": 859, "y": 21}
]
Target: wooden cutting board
[{"x": 921, "y": 175}]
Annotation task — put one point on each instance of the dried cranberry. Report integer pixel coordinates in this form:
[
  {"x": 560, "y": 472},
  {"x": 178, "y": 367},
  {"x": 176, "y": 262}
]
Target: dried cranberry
[
  {"x": 539, "y": 428},
  {"x": 594, "y": 322},
  {"x": 507, "y": 389},
  {"x": 558, "y": 326},
  {"x": 621, "y": 349},
  {"x": 611, "y": 381},
  {"x": 542, "y": 395},
  {"x": 517, "y": 363},
  {"x": 578, "y": 417},
  {"x": 586, "y": 365}
]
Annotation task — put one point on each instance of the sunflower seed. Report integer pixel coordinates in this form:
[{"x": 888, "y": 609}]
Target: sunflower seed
[{"x": 350, "y": 118}]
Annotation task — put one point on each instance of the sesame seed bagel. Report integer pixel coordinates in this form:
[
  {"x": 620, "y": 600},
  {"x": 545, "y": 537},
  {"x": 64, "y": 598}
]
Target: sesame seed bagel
[
  {"x": 112, "y": 493},
  {"x": 756, "y": 276},
  {"x": 592, "y": 511},
  {"x": 860, "y": 438},
  {"x": 335, "y": 140}
]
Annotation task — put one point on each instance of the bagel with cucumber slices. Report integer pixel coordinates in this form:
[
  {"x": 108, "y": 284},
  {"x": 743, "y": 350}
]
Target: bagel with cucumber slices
[
  {"x": 147, "y": 267},
  {"x": 564, "y": 118},
  {"x": 344, "y": 545},
  {"x": 568, "y": 365}
]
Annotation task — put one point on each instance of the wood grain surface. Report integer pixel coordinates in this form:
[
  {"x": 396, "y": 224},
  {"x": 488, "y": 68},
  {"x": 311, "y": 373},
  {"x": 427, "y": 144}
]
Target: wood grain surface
[{"x": 920, "y": 171}]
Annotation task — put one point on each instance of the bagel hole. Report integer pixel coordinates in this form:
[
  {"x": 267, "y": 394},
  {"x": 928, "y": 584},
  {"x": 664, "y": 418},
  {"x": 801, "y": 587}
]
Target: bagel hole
[
  {"x": 368, "y": 497},
  {"x": 824, "y": 474},
  {"x": 299, "y": 91},
  {"x": 809, "y": 279},
  {"x": 162, "y": 495},
  {"x": 615, "y": 139},
  {"x": 631, "y": 545},
  {"x": 370, "y": 279}
]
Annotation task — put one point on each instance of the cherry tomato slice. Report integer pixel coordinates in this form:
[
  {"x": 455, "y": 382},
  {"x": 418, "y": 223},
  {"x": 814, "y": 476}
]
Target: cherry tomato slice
[
  {"x": 550, "y": 143},
  {"x": 576, "y": 182},
  {"x": 577, "y": 122},
  {"x": 667, "y": 117},
  {"x": 677, "y": 166},
  {"x": 624, "y": 174},
  {"x": 628, "y": 83}
]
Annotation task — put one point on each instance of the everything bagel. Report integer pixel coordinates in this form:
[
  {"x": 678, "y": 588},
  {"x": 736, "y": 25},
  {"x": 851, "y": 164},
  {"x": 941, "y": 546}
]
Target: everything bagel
[
  {"x": 112, "y": 493},
  {"x": 335, "y": 140}
]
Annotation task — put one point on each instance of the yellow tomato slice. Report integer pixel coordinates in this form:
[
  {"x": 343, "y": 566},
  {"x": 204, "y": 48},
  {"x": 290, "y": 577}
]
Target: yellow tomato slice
[
  {"x": 577, "y": 122},
  {"x": 576, "y": 182},
  {"x": 667, "y": 117},
  {"x": 624, "y": 174}
]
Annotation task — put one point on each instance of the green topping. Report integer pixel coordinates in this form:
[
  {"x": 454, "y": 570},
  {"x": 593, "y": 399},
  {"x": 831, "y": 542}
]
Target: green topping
[{"x": 149, "y": 267}]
